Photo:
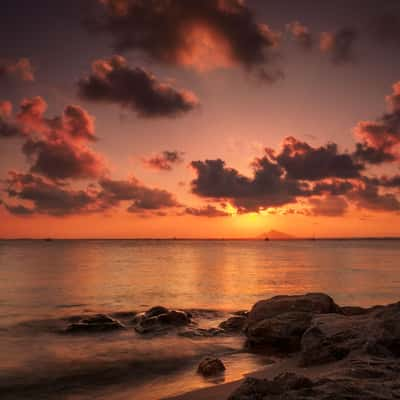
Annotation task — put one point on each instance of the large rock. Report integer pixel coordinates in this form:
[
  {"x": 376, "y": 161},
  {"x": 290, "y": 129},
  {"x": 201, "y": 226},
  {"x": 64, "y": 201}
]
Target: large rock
[
  {"x": 332, "y": 337},
  {"x": 313, "y": 303},
  {"x": 210, "y": 366},
  {"x": 158, "y": 319},
  {"x": 280, "y": 322},
  {"x": 95, "y": 323},
  {"x": 282, "y": 332}
]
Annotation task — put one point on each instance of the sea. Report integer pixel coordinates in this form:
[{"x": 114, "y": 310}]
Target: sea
[{"x": 45, "y": 284}]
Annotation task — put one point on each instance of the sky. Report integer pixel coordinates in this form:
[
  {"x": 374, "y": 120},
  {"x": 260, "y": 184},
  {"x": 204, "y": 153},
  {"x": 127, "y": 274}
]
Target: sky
[{"x": 199, "y": 119}]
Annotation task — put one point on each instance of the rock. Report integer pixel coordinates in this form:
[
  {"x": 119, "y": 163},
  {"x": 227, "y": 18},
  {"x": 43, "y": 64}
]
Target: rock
[
  {"x": 280, "y": 322},
  {"x": 317, "y": 348},
  {"x": 261, "y": 389},
  {"x": 202, "y": 333},
  {"x": 282, "y": 332},
  {"x": 234, "y": 324},
  {"x": 314, "y": 303},
  {"x": 96, "y": 323},
  {"x": 159, "y": 319},
  {"x": 211, "y": 366}
]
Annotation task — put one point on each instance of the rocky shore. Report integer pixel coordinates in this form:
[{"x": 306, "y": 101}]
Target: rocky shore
[{"x": 324, "y": 351}]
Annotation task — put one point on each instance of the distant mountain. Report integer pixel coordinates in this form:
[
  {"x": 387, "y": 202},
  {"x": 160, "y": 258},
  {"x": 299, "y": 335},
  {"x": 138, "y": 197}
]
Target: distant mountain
[{"x": 276, "y": 235}]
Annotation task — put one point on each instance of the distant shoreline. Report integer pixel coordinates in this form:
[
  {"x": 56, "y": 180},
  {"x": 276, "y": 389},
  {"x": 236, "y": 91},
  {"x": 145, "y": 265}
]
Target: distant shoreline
[{"x": 212, "y": 239}]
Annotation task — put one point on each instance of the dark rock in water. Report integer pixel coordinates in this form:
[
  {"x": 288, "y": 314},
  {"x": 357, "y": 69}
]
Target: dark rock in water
[
  {"x": 211, "y": 366},
  {"x": 202, "y": 332},
  {"x": 234, "y": 324},
  {"x": 281, "y": 321},
  {"x": 159, "y": 319},
  {"x": 314, "y": 303},
  {"x": 93, "y": 324},
  {"x": 282, "y": 332},
  {"x": 155, "y": 311}
]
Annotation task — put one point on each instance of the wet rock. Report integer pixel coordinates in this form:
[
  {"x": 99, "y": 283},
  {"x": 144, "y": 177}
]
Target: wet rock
[
  {"x": 202, "y": 332},
  {"x": 211, "y": 366},
  {"x": 159, "y": 319},
  {"x": 313, "y": 303},
  {"x": 282, "y": 332},
  {"x": 234, "y": 324},
  {"x": 280, "y": 322},
  {"x": 93, "y": 324}
]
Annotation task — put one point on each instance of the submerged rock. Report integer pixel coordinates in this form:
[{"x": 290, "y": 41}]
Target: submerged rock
[
  {"x": 202, "y": 332},
  {"x": 95, "y": 323},
  {"x": 159, "y": 318},
  {"x": 211, "y": 366}
]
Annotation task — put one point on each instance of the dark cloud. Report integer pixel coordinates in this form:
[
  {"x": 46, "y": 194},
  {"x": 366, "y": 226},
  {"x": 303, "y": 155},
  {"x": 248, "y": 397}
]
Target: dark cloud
[
  {"x": 302, "y": 161},
  {"x": 46, "y": 197},
  {"x": 22, "y": 69},
  {"x": 369, "y": 197},
  {"x": 113, "y": 81},
  {"x": 208, "y": 211},
  {"x": 8, "y": 127},
  {"x": 59, "y": 159},
  {"x": 328, "y": 206},
  {"x": 380, "y": 139},
  {"x": 201, "y": 34},
  {"x": 267, "y": 188},
  {"x": 55, "y": 147},
  {"x": 333, "y": 188},
  {"x": 164, "y": 161},
  {"x": 339, "y": 45},
  {"x": 301, "y": 34},
  {"x": 142, "y": 198}
]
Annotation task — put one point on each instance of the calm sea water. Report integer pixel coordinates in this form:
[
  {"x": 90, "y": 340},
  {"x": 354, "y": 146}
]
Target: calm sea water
[{"x": 43, "y": 282}]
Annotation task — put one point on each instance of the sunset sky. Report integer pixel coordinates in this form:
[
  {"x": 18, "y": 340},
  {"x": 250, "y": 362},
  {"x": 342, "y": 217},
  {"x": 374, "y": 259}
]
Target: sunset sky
[{"x": 203, "y": 119}]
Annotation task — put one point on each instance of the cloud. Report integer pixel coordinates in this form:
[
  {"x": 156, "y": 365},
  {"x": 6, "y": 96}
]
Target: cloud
[
  {"x": 267, "y": 188},
  {"x": 55, "y": 147},
  {"x": 380, "y": 139},
  {"x": 113, "y": 81},
  {"x": 164, "y": 161},
  {"x": 339, "y": 45},
  {"x": 202, "y": 34},
  {"x": 301, "y": 34},
  {"x": 385, "y": 26},
  {"x": 208, "y": 211},
  {"x": 369, "y": 197},
  {"x": 46, "y": 197},
  {"x": 8, "y": 127},
  {"x": 60, "y": 159},
  {"x": 21, "y": 69},
  {"x": 302, "y": 161},
  {"x": 142, "y": 198},
  {"x": 328, "y": 206}
]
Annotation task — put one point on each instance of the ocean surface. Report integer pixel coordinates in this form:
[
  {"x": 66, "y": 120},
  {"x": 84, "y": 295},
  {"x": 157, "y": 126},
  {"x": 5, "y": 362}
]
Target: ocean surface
[{"x": 42, "y": 284}]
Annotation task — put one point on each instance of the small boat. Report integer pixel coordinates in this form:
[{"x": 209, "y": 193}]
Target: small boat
[
  {"x": 267, "y": 239},
  {"x": 48, "y": 240}
]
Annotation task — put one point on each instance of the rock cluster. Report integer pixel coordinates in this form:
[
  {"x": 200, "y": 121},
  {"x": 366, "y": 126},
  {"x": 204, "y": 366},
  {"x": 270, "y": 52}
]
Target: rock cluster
[
  {"x": 280, "y": 322},
  {"x": 158, "y": 319}
]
